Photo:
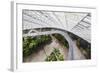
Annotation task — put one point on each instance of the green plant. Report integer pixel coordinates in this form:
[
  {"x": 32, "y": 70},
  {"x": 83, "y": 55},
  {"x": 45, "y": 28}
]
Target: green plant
[
  {"x": 31, "y": 44},
  {"x": 61, "y": 39},
  {"x": 55, "y": 56}
]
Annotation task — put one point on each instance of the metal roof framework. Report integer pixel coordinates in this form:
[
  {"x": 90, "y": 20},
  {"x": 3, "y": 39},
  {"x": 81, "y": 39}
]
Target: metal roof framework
[{"x": 76, "y": 23}]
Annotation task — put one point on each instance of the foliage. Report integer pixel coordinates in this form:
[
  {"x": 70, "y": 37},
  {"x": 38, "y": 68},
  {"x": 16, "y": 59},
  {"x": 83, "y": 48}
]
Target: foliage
[
  {"x": 31, "y": 44},
  {"x": 84, "y": 46},
  {"x": 61, "y": 39},
  {"x": 55, "y": 56}
]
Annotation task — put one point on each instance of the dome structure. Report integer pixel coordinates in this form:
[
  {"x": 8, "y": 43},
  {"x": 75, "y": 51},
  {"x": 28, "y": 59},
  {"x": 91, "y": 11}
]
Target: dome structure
[{"x": 77, "y": 23}]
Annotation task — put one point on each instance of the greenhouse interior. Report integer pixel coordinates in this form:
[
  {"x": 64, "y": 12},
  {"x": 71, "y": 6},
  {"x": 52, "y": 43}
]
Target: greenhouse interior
[{"x": 55, "y": 36}]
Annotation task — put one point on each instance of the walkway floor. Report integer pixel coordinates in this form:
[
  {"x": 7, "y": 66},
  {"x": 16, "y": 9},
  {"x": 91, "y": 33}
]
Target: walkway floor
[
  {"x": 77, "y": 53},
  {"x": 41, "y": 55}
]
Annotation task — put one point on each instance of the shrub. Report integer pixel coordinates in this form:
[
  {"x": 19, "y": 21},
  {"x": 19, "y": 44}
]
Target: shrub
[
  {"x": 55, "y": 56},
  {"x": 31, "y": 44}
]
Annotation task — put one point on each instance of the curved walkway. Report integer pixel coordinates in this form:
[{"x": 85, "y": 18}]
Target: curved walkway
[
  {"x": 74, "y": 52},
  {"x": 46, "y": 51}
]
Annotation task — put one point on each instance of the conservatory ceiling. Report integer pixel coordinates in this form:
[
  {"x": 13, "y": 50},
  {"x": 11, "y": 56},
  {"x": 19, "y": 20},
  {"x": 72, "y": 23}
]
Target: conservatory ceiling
[{"x": 75, "y": 22}]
